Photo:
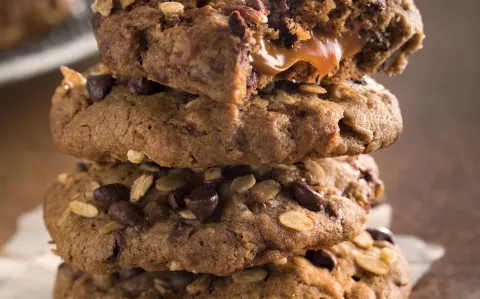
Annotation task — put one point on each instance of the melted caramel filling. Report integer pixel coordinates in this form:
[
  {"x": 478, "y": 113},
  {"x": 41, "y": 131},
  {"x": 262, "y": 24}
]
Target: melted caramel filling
[{"x": 323, "y": 51}]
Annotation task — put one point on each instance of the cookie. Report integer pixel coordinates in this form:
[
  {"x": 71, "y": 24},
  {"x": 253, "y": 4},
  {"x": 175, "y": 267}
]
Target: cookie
[
  {"x": 216, "y": 220},
  {"x": 228, "y": 49},
  {"x": 104, "y": 119},
  {"x": 373, "y": 270},
  {"x": 20, "y": 19}
]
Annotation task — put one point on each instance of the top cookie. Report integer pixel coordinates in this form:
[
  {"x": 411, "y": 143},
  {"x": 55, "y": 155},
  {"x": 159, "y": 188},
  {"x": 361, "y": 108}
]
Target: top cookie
[{"x": 228, "y": 49}]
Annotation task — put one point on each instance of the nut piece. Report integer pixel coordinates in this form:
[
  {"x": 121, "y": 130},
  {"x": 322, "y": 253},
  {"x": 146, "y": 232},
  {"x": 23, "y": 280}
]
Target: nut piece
[
  {"x": 72, "y": 78},
  {"x": 135, "y": 157},
  {"x": 110, "y": 227},
  {"x": 161, "y": 286},
  {"x": 363, "y": 240},
  {"x": 175, "y": 266},
  {"x": 265, "y": 190},
  {"x": 93, "y": 185},
  {"x": 64, "y": 216},
  {"x": 242, "y": 184},
  {"x": 170, "y": 182},
  {"x": 296, "y": 220},
  {"x": 312, "y": 88},
  {"x": 371, "y": 264},
  {"x": 187, "y": 214},
  {"x": 63, "y": 178},
  {"x": 212, "y": 174},
  {"x": 83, "y": 209},
  {"x": 388, "y": 255},
  {"x": 199, "y": 285},
  {"x": 104, "y": 7},
  {"x": 171, "y": 8},
  {"x": 126, "y": 3},
  {"x": 249, "y": 276},
  {"x": 281, "y": 261},
  {"x": 149, "y": 167},
  {"x": 140, "y": 187}
]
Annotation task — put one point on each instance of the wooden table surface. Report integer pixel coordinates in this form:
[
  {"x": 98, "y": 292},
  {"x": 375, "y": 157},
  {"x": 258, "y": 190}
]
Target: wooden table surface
[{"x": 432, "y": 174}]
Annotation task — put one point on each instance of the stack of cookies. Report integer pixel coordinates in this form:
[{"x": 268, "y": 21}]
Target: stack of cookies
[{"x": 227, "y": 141}]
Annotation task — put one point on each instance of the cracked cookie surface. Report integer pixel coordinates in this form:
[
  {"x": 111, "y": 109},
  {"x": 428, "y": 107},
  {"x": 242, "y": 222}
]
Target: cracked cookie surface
[
  {"x": 217, "y": 220},
  {"x": 339, "y": 272},
  {"x": 103, "y": 118},
  {"x": 229, "y": 49}
]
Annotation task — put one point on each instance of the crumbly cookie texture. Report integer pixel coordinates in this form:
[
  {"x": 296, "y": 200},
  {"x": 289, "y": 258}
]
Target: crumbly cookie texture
[
  {"x": 20, "y": 19},
  {"x": 209, "y": 47},
  {"x": 216, "y": 220},
  {"x": 339, "y": 272},
  {"x": 112, "y": 119}
]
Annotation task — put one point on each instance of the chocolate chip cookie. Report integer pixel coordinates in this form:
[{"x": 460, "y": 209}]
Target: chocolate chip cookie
[
  {"x": 20, "y": 19},
  {"x": 361, "y": 269},
  {"x": 109, "y": 217},
  {"x": 109, "y": 118},
  {"x": 229, "y": 49}
]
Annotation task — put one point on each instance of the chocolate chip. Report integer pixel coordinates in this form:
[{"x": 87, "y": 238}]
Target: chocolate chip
[
  {"x": 126, "y": 213},
  {"x": 307, "y": 197},
  {"x": 141, "y": 86},
  {"x": 322, "y": 258},
  {"x": 202, "y": 202},
  {"x": 99, "y": 86},
  {"x": 126, "y": 274},
  {"x": 381, "y": 234},
  {"x": 180, "y": 279},
  {"x": 286, "y": 38},
  {"x": 108, "y": 194},
  {"x": 82, "y": 167},
  {"x": 176, "y": 199},
  {"x": 257, "y": 5},
  {"x": 237, "y": 24},
  {"x": 119, "y": 244}
]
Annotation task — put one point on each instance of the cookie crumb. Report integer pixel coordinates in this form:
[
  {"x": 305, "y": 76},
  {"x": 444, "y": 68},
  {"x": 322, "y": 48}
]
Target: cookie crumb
[{"x": 135, "y": 157}]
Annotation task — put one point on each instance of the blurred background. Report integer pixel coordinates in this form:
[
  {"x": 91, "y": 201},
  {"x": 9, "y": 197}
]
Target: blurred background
[{"x": 432, "y": 174}]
